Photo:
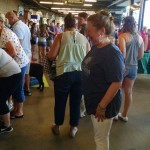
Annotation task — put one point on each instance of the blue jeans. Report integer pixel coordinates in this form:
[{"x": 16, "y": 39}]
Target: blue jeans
[
  {"x": 18, "y": 95},
  {"x": 68, "y": 84}
]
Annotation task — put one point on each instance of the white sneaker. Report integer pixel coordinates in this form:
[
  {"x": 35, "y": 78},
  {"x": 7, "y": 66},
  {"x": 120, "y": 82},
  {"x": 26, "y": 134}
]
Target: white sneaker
[
  {"x": 82, "y": 114},
  {"x": 123, "y": 118},
  {"x": 73, "y": 131},
  {"x": 115, "y": 118}
]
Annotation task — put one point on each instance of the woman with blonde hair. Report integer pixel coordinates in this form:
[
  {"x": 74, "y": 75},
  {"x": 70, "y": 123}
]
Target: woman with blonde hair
[{"x": 102, "y": 77}]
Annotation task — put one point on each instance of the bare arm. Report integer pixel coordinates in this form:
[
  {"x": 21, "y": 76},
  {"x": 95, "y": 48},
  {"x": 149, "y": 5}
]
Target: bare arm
[
  {"x": 10, "y": 49},
  {"x": 111, "y": 92},
  {"x": 122, "y": 45},
  {"x": 47, "y": 34},
  {"x": 141, "y": 51},
  {"x": 53, "y": 53}
]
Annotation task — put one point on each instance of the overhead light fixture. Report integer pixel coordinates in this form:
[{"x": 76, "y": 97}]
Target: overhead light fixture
[
  {"x": 68, "y": 9},
  {"x": 88, "y": 5},
  {"x": 45, "y": 2},
  {"x": 55, "y": 8},
  {"x": 58, "y": 3},
  {"x": 74, "y": 1},
  {"x": 55, "y": 3},
  {"x": 91, "y": 1},
  {"x": 66, "y": 12},
  {"x": 72, "y": 11},
  {"x": 75, "y": 13}
]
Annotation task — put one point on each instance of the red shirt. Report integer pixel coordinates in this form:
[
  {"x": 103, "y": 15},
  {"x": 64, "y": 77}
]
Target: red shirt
[
  {"x": 143, "y": 34},
  {"x": 148, "y": 47}
]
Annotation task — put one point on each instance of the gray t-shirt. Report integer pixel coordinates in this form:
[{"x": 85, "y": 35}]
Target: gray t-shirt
[
  {"x": 23, "y": 33},
  {"x": 100, "y": 68}
]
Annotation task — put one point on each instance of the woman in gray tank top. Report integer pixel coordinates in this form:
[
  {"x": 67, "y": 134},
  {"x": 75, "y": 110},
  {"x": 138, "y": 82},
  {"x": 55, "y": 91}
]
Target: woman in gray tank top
[{"x": 132, "y": 48}]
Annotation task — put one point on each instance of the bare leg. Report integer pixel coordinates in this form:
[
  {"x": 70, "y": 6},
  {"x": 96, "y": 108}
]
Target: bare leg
[
  {"x": 6, "y": 119},
  {"x": 19, "y": 110},
  {"x": 33, "y": 50},
  {"x": 27, "y": 82},
  {"x": 127, "y": 86},
  {"x": 15, "y": 108},
  {"x": 39, "y": 52},
  {"x": 43, "y": 52},
  {"x": 10, "y": 98}
]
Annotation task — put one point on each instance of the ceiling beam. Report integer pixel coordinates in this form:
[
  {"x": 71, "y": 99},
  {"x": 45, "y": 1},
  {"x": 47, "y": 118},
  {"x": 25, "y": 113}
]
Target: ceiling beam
[
  {"x": 116, "y": 2},
  {"x": 100, "y": 4}
]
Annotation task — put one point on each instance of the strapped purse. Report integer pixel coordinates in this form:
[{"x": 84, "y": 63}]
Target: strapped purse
[{"x": 49, "y": 67}]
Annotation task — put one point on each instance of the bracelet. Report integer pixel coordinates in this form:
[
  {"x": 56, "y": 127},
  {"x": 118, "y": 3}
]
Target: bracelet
[{"x": 101, "y": 109}]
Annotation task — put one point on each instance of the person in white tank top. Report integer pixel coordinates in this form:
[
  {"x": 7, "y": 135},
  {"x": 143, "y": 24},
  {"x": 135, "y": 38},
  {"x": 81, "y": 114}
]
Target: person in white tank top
[{"x": 69, "y": 49}]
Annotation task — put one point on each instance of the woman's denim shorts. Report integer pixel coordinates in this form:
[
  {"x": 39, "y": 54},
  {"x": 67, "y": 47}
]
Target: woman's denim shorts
[{"x": 131, "y": 73}]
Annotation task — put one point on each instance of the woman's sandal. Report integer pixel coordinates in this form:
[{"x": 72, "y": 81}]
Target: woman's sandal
[
  {"x": 55, "y": 130},
  {"x": 16, "y": 117}
]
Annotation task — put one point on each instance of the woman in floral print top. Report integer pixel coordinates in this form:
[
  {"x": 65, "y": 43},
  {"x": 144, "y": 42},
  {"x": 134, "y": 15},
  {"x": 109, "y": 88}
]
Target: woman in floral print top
[{"x": 10, "y": 42}]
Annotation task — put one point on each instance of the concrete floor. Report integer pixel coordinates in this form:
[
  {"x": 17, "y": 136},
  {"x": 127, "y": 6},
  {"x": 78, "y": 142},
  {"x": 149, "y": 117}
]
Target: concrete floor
[{"x": 33, "y": 132}]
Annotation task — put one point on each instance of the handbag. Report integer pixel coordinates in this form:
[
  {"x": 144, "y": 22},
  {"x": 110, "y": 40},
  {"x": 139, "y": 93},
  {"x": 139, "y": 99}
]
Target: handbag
[{"x": 49, "y": 67}]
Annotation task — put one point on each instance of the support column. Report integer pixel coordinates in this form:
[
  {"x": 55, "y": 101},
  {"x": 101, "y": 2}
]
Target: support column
[{"x": 141, "y": 15}]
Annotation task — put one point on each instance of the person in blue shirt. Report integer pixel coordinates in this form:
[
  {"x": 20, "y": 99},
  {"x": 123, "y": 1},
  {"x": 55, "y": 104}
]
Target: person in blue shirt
[{"x": 102, "y": 76}]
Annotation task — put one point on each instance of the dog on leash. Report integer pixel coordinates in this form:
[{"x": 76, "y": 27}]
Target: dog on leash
[{"x": 36, "y": 70}]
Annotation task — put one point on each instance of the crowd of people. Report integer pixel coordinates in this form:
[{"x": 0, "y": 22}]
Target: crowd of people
[
  {"x": 91, "y": 68},
  {"x": 43, "y": 36}
]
